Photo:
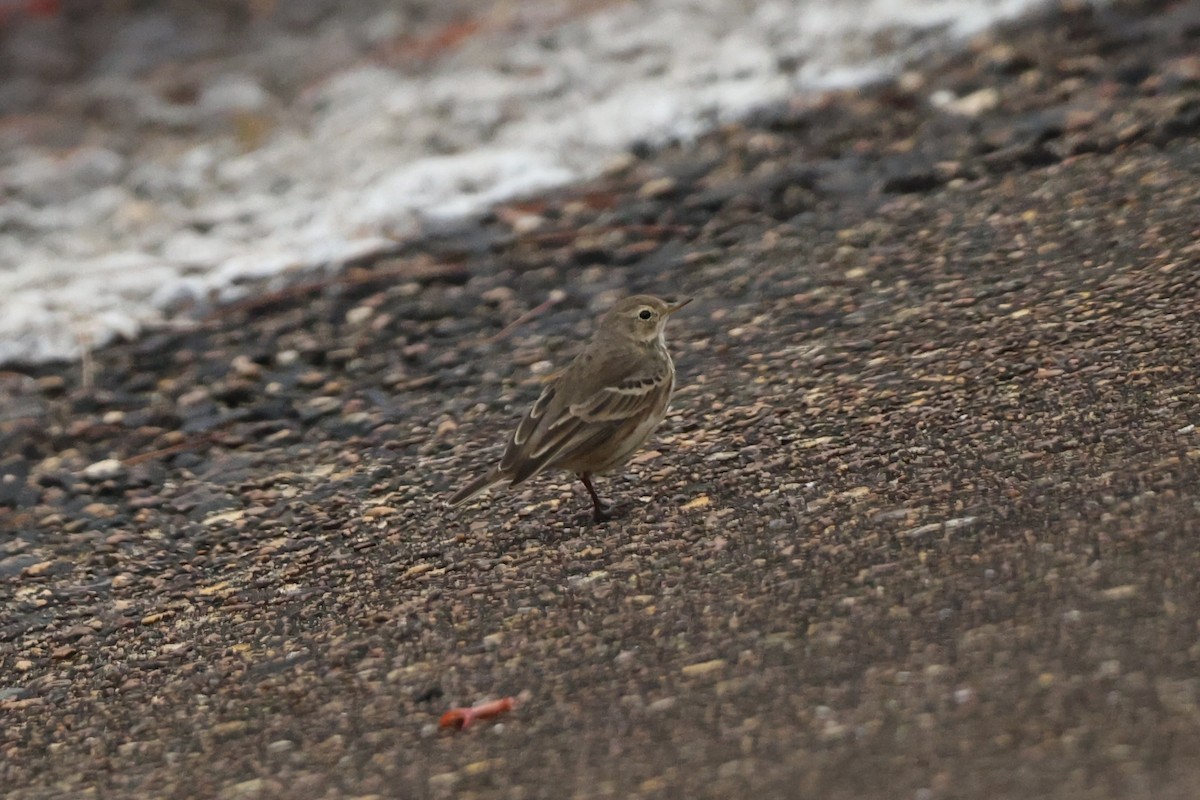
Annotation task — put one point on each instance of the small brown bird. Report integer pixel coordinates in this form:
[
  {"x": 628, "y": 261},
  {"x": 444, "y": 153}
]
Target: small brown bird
[{"x": 600, "y": 409}]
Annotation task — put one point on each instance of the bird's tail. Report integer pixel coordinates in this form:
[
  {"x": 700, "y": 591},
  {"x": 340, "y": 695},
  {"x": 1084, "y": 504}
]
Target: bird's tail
[{"x": 480, "y": 484}]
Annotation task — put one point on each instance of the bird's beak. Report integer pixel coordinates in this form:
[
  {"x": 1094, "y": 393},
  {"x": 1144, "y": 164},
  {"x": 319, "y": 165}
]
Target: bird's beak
[{"x": 678, "y": 305}]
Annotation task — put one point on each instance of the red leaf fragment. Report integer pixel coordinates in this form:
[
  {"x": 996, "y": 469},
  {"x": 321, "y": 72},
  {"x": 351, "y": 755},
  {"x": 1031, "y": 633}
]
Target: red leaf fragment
[{"x": 464, "y": 717}]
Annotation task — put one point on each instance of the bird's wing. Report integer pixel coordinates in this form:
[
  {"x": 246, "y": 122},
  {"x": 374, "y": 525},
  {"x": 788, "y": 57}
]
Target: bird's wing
[
  {"x": 531, "y": 421},
  {"x": 629, "y": 398},
  {"x": 556, "y": 432}
]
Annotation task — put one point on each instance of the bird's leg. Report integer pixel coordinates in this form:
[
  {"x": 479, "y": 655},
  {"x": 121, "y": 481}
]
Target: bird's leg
[{"x": 602, "y": 512}]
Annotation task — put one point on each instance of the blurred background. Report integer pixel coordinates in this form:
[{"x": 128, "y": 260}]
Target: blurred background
[{"x": 159, "y": 154}]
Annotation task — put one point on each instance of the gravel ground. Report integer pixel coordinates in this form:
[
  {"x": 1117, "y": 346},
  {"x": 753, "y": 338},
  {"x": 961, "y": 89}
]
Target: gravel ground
[{"x": 921, "y": 524}]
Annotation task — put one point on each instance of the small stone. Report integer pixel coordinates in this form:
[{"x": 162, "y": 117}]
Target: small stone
[
  {"x": 320, "y": 407},
  {"x": 379, "y": 511},
  {"x": 63, "y": 652},
  {"x": 1079, "y": 119},
  {"x": 525, "y": 224},
  {"x": 703, "y": 668},
  {"x": 662, "y": 704},
  {"x": 311, "y": 379},
  {"x": 195, "y": 397},
  {"x": 619, "y": 163},
  {"x": 359, "y": 314},
  {"x": 227, "y": 729},
  {"x": 971, "y": 105},
  {"x": 911, "y": 81},
  {"x": 444, "y": 781},
  {"x": 481, "y": 767},
  {"x": 23, "y": 665},
  {"x": 52, "y": 385},
  {"x": 498, "y": 295},
  {"x": 41, "y": 568},
  {"x": 108, "y": 469},
  {"x": 77, "y": 632},
  {"x": 223, "y": 517},
  {"x": 245, "y": 366},
  {"x": 657, "y": 187},
  {"x": 246, "y": 790},
  {"x": 99, "y": 510},
  {"x": 1123, "y": 592}
]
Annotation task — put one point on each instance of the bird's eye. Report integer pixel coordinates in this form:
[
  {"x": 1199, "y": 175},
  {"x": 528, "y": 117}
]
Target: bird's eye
[{"x": 645, "y": 313}]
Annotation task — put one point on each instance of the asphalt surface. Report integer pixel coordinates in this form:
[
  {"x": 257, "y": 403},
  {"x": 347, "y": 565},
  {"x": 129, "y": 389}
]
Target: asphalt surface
[{"x": 922, "y": 521}]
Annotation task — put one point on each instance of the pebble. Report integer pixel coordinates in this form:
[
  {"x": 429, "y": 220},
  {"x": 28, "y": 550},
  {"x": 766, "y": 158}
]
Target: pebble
[
  {"x": 657, "y": 187},
  {"x": 1123, "y": 592},
  {"x": 244, "y": 790},
  {"x": 661, "y": 705},
  {"x": 971, "y": 105},
  {"x": 246, "y": 367},
  {"x": 703, "y": 668},
  {"x": 107, "y": 469},
  {"x": 375, "y": 512}
]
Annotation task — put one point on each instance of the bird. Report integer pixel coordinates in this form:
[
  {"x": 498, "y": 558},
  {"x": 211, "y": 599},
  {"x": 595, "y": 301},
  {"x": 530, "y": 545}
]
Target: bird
[{"x": 593, "y": 416}]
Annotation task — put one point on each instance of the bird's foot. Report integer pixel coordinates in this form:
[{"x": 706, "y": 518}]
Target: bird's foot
[{"x": 603, "y": 512}]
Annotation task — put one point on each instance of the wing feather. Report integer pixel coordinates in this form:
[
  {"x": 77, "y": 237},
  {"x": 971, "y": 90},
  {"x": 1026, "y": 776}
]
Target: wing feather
[
  {"x": 530, "y": 422},
  {"x": 627, "y": 399},
  {"x": 554, "y": 432}
]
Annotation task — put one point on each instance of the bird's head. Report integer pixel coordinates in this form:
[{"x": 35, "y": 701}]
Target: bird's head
[{"x": 641, "y": 317}]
